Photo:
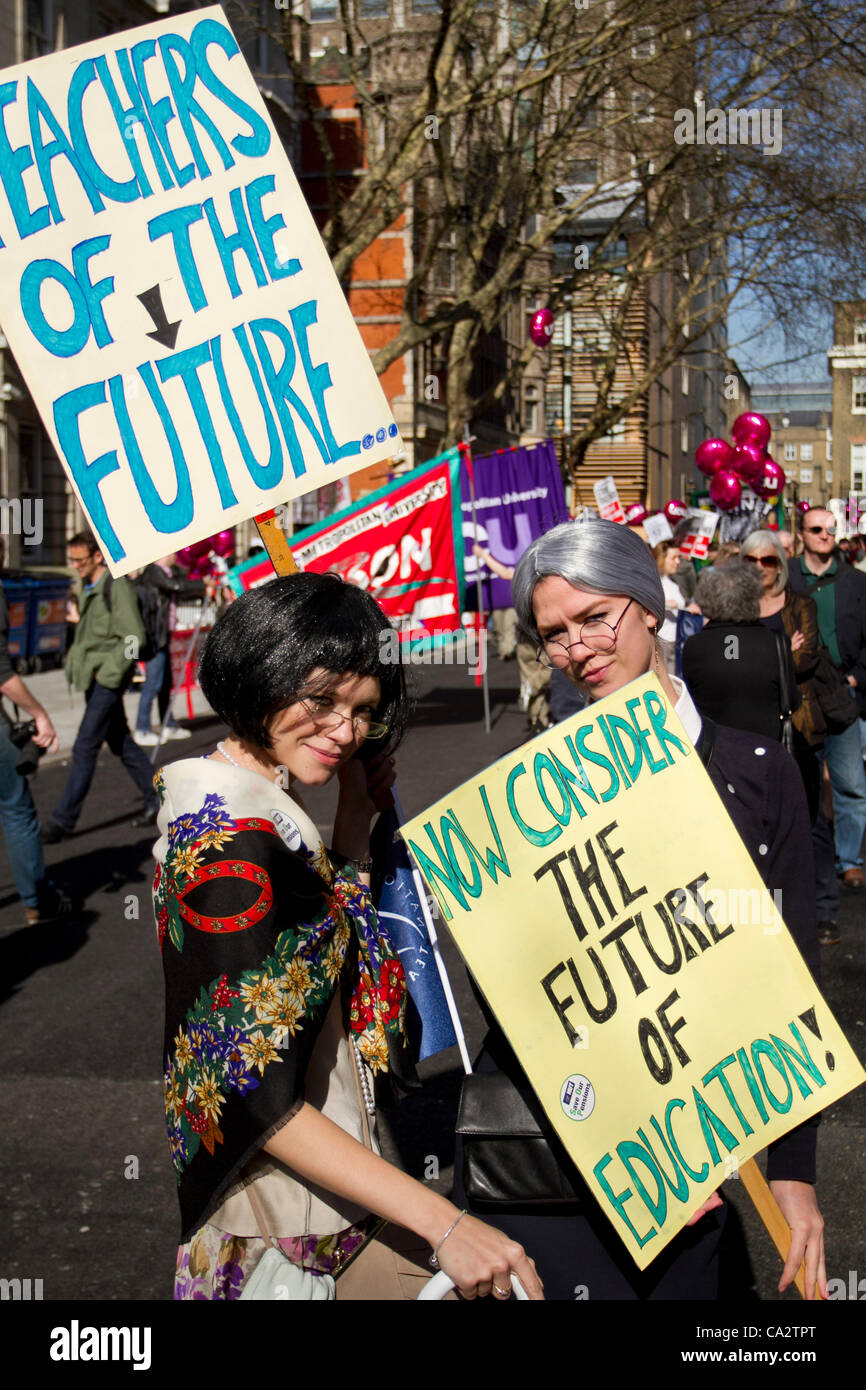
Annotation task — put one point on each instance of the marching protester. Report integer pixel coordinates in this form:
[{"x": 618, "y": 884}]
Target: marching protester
[
  {"x": 43, "y": 901},
  {"x": 534, "y": 681},
  {"x": 161, "y": 586},
  {"x": 667, "y": 557},
  {"x": 108, "y": 636},
  {"x": 839, "y": 592},
  {"x": 590, "y": 598},
  {"x": 736, "y": 670},
  {"x": 284, "y": 996},
  {"x": 793, "y": 616}
]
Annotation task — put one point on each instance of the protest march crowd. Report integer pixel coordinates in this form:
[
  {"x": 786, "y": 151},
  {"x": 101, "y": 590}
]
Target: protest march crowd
[{"x": 272, "y": 1127}]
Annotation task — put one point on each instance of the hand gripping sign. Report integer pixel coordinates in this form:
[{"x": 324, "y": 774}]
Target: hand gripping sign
[
  {"x": 166, "y": 294},
  {"x": 624, "y": 948}
]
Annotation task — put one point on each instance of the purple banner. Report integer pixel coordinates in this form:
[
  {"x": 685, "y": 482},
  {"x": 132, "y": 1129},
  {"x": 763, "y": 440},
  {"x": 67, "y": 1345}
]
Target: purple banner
[{"x": 518, "y": 495}]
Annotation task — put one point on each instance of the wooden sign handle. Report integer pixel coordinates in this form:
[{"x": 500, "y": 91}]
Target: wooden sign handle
[
  {"x": 276, "y": 542},
  {"x": 768, "y": 1209}
]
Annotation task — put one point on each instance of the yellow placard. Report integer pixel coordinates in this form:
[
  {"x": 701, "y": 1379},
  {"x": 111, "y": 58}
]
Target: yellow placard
[
  {"x": 167, "y": 294},
  {"x": 616, "y": 924}
]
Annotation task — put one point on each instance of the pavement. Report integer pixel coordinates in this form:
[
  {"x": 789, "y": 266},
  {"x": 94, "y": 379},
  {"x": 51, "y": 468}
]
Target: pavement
[{"x": 89, "y": 1202}]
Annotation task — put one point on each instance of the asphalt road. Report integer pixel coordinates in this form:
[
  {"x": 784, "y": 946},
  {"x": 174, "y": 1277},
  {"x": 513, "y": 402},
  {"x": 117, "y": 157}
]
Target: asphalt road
[{"x": 88, "y": 1199}]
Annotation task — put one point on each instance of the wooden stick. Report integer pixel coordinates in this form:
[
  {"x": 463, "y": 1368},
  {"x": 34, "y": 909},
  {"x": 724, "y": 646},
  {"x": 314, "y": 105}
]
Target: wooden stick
[
  {"x": 276, "y": 542},
  {"x": 768, "y": 1210}
]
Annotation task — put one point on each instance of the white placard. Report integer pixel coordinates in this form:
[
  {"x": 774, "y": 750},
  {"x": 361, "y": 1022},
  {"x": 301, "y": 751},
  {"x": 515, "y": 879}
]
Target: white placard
[{"x": 167, "y": 295}]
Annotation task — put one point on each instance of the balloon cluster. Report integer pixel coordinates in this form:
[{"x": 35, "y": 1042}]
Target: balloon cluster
[
  {"x": 674, "y": 511},
  {"x": 198, "y": 558},
  {"x": 729, "y": 466}
]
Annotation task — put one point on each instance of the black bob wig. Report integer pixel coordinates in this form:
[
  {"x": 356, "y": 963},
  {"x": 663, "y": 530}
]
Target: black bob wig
[{"x": 259, "y": 656}]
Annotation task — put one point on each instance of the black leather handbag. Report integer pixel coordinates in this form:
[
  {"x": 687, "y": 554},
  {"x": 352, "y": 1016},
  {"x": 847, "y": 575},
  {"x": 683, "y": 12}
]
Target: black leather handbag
[{"x": 509, "y": 1163}]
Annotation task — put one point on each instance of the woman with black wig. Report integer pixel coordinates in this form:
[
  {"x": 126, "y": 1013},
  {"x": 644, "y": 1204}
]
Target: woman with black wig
[{"x": 284, "y": 996}]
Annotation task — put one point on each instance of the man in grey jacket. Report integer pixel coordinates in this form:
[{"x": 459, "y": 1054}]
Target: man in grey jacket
[{"x": 100, "y": 663}]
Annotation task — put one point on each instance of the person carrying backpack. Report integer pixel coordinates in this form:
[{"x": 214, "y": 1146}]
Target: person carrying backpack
[
  {"x": 161, "y": 586},
  {"x": 108, "y": 637}
]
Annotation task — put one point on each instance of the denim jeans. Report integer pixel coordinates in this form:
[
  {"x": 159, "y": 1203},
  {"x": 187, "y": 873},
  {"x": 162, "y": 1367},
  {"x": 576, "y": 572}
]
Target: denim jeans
[
  {"x": 157, "y": 686},
  {"x": 844, "y": 757},
  {"x": 104, "y": 722},
  {"x": 20, "y": 823}
]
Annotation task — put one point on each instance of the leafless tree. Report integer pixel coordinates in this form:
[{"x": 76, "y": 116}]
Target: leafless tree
[{"x": 485, "y": 134}]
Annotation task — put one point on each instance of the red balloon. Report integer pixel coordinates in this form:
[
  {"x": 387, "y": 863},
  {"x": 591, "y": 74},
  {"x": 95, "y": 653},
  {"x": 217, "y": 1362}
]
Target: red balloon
[
  {"x": 223, "y": 544},
  {"x": 541, "y": 328},
  {"x": 751, "y": 428},
  {"x": 185, "y": 557},
  {"x": 726, "y": 490},
  {"x": 749, "y": 462},
  {"x": 772, "y": 479},
  {"x": 802, "y": 508},
  {"x": 635, "y": 514},
  {"x": 675, "y": 510},
  {"x": 713, "y": 454}
]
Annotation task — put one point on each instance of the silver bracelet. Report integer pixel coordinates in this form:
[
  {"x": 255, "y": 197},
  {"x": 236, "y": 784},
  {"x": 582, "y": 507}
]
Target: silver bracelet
[{"x": 433, "y": 1260}]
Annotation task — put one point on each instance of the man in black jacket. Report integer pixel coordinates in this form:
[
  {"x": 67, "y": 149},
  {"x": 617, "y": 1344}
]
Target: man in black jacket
[
  {"x": 161, "y": 586},
  {"x": 839, "y": 592}
]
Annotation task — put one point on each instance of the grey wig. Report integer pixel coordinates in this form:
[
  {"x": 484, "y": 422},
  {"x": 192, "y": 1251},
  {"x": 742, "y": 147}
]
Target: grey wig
[
  {"x": 730, "y": 593},
  {"x": 602, "y": 557}
]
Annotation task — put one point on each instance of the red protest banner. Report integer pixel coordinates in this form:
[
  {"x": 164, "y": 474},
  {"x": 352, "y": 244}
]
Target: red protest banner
[{"x": 403, "y": 543}]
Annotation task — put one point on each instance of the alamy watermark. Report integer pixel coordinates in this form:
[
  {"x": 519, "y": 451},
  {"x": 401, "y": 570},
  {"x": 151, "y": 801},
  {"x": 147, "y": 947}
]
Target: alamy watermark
[
  {"x": 22, "y": 518},
  {"x": 463, "y": 648},
  {"x": 753, "y": 125}
]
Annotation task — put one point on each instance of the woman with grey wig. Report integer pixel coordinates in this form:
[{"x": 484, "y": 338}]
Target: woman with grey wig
[{"x": 589, "y": 595}]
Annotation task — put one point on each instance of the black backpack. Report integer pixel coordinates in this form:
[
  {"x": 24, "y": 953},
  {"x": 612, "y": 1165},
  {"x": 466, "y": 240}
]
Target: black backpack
[{"x": 148, "y": 606}]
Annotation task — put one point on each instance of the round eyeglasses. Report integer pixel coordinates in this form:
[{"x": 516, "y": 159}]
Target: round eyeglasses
[
  {"x": 595, "y": 634},
  {"x": 324, "y": 716}
]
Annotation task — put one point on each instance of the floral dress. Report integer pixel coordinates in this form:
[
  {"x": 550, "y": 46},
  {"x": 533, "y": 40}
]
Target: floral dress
[{"x": 259, "y": 932}]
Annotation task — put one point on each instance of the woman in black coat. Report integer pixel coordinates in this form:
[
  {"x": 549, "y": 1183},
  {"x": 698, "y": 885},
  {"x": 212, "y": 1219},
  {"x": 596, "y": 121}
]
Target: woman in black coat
[
  {"x": 601, "y": 574},
  {"x": 736, "y": 669}
]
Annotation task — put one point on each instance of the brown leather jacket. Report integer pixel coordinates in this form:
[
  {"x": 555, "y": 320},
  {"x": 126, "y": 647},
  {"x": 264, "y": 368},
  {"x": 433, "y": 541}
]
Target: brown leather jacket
[{"x": 801, "y": 615}]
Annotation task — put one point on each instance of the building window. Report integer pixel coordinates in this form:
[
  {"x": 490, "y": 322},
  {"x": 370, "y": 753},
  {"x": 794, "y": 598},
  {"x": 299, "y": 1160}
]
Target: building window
[
  {"x": 582, "y": 172},
  {"x": 858, "y": 393},
  {"x": 643, "y": 44},
  {"x": 807, "y": 453},
  {"x": 553, "y": 410},
  {"x": 829, "y": 475},
  {"x": 641, "y": 107},
  {"x": 684, "y": 436},
  {"x": 790, "y": 453},
  {"x": 443, "y": 264},
  {"x": 425, "y": 6},
  {"x": 40, "y": 24},
  {"x": 805, "y": 475},
  {"x": 372, "y": 9},
  {"x": 829, "y": 445},
  {"x": 859, "y": 331},
  {"x": 530, "y": 409},
  {"x": 684, "y": 378},
  {"x": 321, "y": 10},
  {"x": 614, "y": 434},
  {"x": 858, "y": 466}
]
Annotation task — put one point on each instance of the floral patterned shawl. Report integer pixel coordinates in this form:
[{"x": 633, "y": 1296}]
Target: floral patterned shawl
[{"x": 258, "y": 930}]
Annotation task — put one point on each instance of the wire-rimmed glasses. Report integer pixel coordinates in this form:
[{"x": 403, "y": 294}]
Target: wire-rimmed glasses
[
  {"x": 324, "y": 716},
  {"x": 594, "y": 633}
]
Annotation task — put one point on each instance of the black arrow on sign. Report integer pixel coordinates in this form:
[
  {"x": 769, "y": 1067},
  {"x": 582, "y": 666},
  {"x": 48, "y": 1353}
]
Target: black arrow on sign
[{"x": 164, "y": 332}]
